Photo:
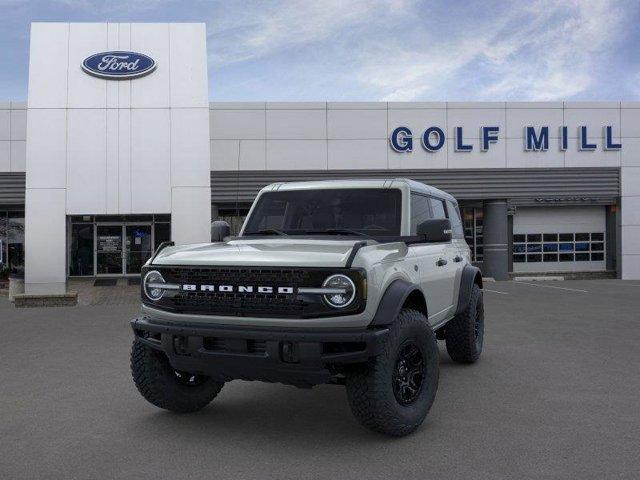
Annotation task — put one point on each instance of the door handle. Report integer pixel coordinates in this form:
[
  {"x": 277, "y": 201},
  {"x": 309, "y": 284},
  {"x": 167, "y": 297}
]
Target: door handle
[
  {"x": 457, "y": 258},
  {"x": 441, "y": 262}
]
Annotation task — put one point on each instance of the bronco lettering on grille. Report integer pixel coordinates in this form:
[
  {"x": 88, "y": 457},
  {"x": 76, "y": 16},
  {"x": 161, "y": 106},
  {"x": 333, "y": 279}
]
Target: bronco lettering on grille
[{"x": 191, "y": 287}]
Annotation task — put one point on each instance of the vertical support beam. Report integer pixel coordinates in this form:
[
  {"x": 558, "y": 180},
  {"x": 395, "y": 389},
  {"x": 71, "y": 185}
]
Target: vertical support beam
[
  {"x": 610, "y": 238},
  {"x": 215, "y": 213},
  {"x": 45, "y": 241},
  {"x": 496, "y": 240},
  {"x": 510, "y": 241}
]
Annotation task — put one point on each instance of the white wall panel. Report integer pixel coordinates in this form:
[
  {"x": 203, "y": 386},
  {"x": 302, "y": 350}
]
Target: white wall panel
[
  {"x": 237, "y": 124},
  {"x": 357, "y": 154},
  {"x": 296, "y": 154},
  {"x": 418, "y": 158},
  {"x": 592, "y": 118},
  {"x": 113, "y": 43},
  {"x": 190, "y": 165},
  {"x": 418, "y": 120},
  {"x": 630, "y": 211},
  {"x": 124, "y": 86},
  {"x": 495, "y": 157},
  {"x": 598, "y": 158},
  {"x": 86, "y": 91},
  {"x": 150, "y": 161},
  {"x": 517, "y": 157},
  {"x": 630, "y": 120},
  {"x": 631, "y": 239},
  {"x": 18, "y": 156},
  {"x": 630, "y": 267},
  {"x": 124, "y": 161},
  {"x": 630, "y": 181},
  {"x": 48, "y": 62},
  {"x": 18, "y": 124},
  {"x": 5, "y": 156},
  {"x": 152, "y": 91},
  {"x": 630, "y": 153},
  {"x": 253, "y": 155},
  {"x": 188, "y": 53},
  {"x": 86, "y": 161},
  {"x": 191, "y": 215},
  {"x": 5, "y": 124},
  {"x": 112, "y": 162},
  {"x": 47, "y": 148},
  {"x": 224, "y": 154},
  {"x": 518, "y": 118},
  {"x": 356, "y": 124},
  {"x": 45, "y": 241},
  {"x": 471, "y": 119},
  {"x": 296, "y": 124}
]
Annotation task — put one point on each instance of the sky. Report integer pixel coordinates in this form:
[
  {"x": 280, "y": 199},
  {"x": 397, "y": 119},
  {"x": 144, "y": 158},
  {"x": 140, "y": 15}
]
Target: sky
[{"x": 377, "y": 50}]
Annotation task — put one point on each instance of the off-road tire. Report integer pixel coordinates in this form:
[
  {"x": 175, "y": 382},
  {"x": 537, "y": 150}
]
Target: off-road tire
[
  {"x": 464, "y": 334},
  {"x": 370, "y": 388},
  {"x": 159, "y": 384}
]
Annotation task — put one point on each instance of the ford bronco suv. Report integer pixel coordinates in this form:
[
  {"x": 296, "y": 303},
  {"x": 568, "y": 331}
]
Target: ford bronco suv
[{"x": 342, "y": 282}]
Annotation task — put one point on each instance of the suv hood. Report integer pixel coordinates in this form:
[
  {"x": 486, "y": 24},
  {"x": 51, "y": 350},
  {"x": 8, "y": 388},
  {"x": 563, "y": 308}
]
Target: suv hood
[{"x": 276, "y": 252}]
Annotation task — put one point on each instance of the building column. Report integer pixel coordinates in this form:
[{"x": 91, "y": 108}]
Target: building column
[
  {"x": 496, "y": 240},
  {"x": 45, "y": 241}
]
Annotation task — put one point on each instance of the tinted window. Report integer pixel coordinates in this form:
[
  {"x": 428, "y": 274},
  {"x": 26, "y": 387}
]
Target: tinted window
[
  {"x": 456, "y": 221},
  {"x": 437, "y": 206},
  {"x": 420, "y": 211},
  {"x": 372, "y": 211}
]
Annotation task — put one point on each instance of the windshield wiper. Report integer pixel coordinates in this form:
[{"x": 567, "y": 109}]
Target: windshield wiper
[
  {"x": 268, "y": 231},
  {"x": 338, "y": 231}
]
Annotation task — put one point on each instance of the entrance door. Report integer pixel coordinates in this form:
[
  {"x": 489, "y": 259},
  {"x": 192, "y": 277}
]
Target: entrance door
[
  {"x": 138, "y": 247},
  {"x": 109, "y": 250}
]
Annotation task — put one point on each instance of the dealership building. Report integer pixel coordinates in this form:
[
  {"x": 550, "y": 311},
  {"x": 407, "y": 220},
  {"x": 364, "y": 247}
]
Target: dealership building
[{"x": 118, "y": 148}]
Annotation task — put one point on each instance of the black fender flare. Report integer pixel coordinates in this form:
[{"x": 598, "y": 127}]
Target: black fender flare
[
  {"x": 470, "y": 275},
  {"x": 392, "y": 301}
]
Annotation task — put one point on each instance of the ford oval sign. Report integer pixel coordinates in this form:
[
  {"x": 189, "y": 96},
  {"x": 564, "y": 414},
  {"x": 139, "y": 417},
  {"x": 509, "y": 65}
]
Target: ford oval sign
[{"x": 118, "y": 65}]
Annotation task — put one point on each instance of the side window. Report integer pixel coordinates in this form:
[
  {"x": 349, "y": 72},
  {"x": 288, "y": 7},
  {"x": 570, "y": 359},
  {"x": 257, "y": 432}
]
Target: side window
[
  {"x": 420, "y": 211},
  {"x": 456, "y": 221},
  {"x": 437, "y": 206}
]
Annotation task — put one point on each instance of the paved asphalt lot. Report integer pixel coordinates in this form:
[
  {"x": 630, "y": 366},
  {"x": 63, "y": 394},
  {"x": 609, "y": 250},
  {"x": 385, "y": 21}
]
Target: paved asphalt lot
[{"x": 555, "y": 395}]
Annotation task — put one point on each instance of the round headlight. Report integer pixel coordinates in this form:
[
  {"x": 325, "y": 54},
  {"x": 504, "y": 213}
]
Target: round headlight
[
  {"x": 151, "y": 283},
  {"x": 345, "y": 291}
]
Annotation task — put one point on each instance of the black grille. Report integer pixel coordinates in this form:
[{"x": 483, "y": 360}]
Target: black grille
[
  {"x": 234, "y": 303},
  {"x": 247, "y": 304}
]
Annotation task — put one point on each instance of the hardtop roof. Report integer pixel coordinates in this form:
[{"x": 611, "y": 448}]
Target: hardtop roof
[{"x": 413, "y": 185}]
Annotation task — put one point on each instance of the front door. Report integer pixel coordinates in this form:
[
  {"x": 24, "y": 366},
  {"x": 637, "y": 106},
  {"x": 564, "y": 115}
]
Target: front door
[
  {"x": 138, "y": 247},
  {"x": 109, "y": 250}
]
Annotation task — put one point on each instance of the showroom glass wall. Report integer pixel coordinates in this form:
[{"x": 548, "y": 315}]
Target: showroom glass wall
[
  {"x": 11, "y": 242},
  {"x": 113, "y": 245}
]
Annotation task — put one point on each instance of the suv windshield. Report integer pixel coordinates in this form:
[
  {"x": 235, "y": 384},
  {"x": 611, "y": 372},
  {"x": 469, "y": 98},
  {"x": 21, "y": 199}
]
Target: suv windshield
[{"x": 362, "y": 211}]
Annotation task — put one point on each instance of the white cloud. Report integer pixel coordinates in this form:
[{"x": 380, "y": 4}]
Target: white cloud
[
  {"x": 248, "y": 33},
  {"x": 546, "y": 51}
]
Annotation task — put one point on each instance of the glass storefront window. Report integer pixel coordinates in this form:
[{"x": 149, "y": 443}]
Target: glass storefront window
[
  {"x": 103, "y": 246},
  {"x": 163, "y": 233},
  {"x": 81, "y": 252},
  {"x": 567, "y": 247},
  {"x": 472, "y": 222},
  {"x": 15, "y": 242}
]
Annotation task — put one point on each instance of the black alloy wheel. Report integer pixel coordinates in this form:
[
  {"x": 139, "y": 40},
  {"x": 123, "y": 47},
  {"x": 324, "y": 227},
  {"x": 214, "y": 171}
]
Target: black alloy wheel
[{"x": 408, "y": 373}]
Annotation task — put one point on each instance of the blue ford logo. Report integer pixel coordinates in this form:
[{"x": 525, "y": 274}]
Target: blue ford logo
[{"x": 118, "y": 65}]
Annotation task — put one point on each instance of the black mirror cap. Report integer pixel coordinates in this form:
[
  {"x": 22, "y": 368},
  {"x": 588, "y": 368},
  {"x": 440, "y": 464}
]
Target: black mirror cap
[
  {"x": 219, "y": 230},
  {"x": 435, "y": 230}
]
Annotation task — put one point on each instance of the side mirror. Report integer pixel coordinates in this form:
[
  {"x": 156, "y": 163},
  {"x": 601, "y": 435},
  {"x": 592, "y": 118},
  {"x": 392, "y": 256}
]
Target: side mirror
[
  {"x": 219, "y": 230},
  {"x": 435, "y": 230}
]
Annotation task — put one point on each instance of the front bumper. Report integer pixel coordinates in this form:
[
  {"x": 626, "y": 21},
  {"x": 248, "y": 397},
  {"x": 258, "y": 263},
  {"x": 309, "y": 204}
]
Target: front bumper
[{"x": 302, "y": 358}]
